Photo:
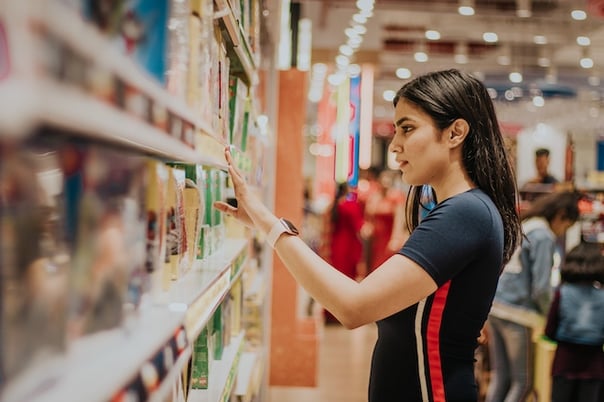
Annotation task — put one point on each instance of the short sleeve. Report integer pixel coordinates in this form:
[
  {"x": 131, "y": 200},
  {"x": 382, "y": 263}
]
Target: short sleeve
[{"x": 453, "y": 234}]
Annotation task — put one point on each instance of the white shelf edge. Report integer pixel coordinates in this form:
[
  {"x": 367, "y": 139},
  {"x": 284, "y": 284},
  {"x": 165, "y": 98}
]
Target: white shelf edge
[
  {"x": 58, "y": 105},
  {"x": 166, "y": 386},
  {"x": 100, "y": 364},
  {"x": 247, "y": 365}
]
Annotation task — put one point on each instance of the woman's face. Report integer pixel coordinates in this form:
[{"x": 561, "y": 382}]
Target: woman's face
[{"x": 421, "y": 154}]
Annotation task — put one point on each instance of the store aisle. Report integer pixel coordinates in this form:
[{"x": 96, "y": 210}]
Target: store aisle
[{"x": 344, "y": 361}]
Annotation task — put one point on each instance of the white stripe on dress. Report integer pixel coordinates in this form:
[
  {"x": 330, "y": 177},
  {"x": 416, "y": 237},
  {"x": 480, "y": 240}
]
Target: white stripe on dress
[{"x": 420, "y": 350}]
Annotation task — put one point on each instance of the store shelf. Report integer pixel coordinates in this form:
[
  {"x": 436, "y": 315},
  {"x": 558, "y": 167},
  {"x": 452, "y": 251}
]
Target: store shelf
[
  {"x": 248, "y": 377},
  {"x": 99, "y": 364},
  {"x": 88, "y": 42},
  {"x": 239, "y": 44},
  {"x": 46, "y": 102},
  {"x": 223, "y": 373},
  {"x": 204, "y": 287}
]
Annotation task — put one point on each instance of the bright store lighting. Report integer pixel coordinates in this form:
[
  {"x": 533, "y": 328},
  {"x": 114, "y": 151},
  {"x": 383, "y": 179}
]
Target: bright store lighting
[
  {"x": 359, "y": 29},
  {"x": 388, "y": 95},
  {"x": 466, "y": 10},
  {"x": 490, "y": 37},
  {"x": 544, "y": 62},
  {"x": 594, "y": 80},
  {"x": 354, "y": 70},
  {"x": 515, "y": 77},
  {"x": 365, "y": 4},
  {"x": 583, "y": 41},
  {"x": 304, "y": 44},
  {"x": 403, "y": 73},
  {"x": 360, "y": 19},
  {"x": 540, "y": 40},
  {"x": 578, "y": 15},
  {"x": 432, "y": 35},
  {"x": 460, "y": 59},
  {"x": 538, "y": 101},
  {"x": 346, "y": 50},
  {"x": 586, "y": 62},
  {"x": 420, "y": 57},
  {"x": 342, "y": 60}
]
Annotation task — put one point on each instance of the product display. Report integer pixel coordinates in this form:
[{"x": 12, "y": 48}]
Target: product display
[{"x": 106, "y": 185}]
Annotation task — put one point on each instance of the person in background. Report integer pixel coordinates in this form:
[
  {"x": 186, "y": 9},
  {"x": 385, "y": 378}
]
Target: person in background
[
  {"x": 379, "y": 214},
  {"x": 345, "y": 242},
  {"x": 576, "y": 322},
  {"x": 523, "y": 296},
  {"x": 346, "y": 222},
  {"x": 446, "y": 136},
  {"x": 542, "y": 166}
]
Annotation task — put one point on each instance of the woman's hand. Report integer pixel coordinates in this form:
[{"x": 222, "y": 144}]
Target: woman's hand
[{"x": 250, "y": 210}]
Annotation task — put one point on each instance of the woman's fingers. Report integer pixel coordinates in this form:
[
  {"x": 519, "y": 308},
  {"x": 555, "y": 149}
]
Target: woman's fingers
[{"x": 224, "y": 207}]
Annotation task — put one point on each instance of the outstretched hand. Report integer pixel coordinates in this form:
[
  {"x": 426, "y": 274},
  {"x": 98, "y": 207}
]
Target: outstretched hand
[{"x": 249, "y": 208}]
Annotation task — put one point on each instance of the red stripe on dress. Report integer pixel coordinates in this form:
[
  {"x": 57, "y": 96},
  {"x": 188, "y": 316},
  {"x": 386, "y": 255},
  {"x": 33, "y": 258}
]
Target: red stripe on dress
[{"x": 433, "y": 344}]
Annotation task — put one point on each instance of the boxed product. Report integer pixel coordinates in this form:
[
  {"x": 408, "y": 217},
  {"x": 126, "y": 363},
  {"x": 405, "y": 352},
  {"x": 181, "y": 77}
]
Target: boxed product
[
  {"x": 34, "y": 265},
  {"x": 139, "y": 28},
  {"x": 200, "y": 363},
  {"x": 157, "y": 177},
  {"x": 107, "y": 223}
]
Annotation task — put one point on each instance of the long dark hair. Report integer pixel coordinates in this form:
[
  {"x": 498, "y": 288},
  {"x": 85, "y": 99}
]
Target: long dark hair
[
  {"x": 341, "y": 191},
  {"x": 583, "y": 263},
  {"x": 450, "y": 95}
]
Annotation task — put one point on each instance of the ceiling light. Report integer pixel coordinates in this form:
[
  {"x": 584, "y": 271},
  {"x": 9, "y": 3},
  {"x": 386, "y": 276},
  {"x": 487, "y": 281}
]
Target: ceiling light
[
  {"x": 403, "y": 73},
  {"x": 342, "y": 60},
  {"x": 360, "y": 29},
  {"x": 461, "y": 53},
  {"x": 593, "y": 80},
  {"x": 358, "y": 18},
  {"x": 515, "y": 77},
  {"x": 578, "y": 15},
  {"x": 432, "y": 35},
  {"x": 551, "y": 76},
  {"x": 466, "y": 7},
  {"x": 523, "y": 8},
  {"x": 539, "y": 40},
  {"x": 583, "y": 41},
  {"x": 538, "y": 101},
  {"x": 346, "y": 50},
  {"x": 420, "y": 57},
  {"x": 388, "y": 95},
  {"x": 365, "y": 5},
  {"x": 586, "y": 62},
  {"x": 490, "y": 37}
]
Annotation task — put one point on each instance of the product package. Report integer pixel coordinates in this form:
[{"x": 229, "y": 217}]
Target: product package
[
  {"x": 107, "y": 224},
  {"x": 157, "y": 177},
  {"x": 139, "y": 28},
  {"x": 34, "y": 266}
]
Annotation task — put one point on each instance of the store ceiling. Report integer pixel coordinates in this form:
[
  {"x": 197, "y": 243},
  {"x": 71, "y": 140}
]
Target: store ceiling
[{"x": 397, "y": 28}]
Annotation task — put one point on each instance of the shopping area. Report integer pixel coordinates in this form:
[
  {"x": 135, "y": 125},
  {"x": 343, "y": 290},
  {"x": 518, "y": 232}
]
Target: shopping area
[{"x": 121, "y": 282}]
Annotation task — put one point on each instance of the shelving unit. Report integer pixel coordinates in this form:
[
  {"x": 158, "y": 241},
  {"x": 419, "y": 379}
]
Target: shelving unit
[{"x": 145, "y": 355}]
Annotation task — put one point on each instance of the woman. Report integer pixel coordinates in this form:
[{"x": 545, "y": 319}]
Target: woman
[
  {"x": 576, "y": 321},
  {"x": 346, "y": 221},
  {"x": 430, "y": 299},
  {"x": 523, "y": 296}
]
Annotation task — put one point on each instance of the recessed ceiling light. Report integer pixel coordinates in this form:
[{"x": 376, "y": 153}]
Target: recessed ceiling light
[
  {"x": 432, "y": 34},
  {"x": 403, "y": 73},
  {"x": 578, "y": 15},
  {"x": 583, "y": 41},
  {"x": 540, "y": 39},
  {"x": 490, "y": 37}
]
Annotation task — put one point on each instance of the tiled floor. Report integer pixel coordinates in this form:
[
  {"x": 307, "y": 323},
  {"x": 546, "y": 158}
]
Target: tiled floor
[{"x": 345, "y": 356}]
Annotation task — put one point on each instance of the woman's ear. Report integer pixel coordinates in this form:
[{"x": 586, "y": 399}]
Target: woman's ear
[{"x": 458, "y": 131}]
